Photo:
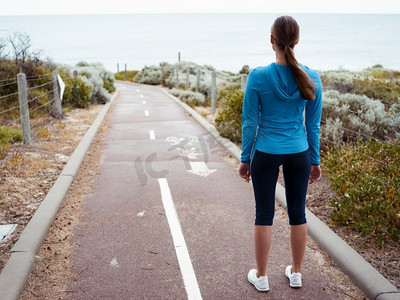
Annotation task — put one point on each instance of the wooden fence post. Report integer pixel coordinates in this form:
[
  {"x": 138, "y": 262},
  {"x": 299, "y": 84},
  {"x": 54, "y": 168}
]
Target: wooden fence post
[
  {"x": 56, "y": 108},
  {"x": 162, "y": 75},
  {"x": 243, "y": 81},
  {"x": 187, "y": 78},
  {"x": 23, "y": 108},
  {"x": 198, "y": 74},
  {"x": 213, "y": 91},
  {"x": 176, "y": 78},
  {"x": 126, "y": 74}
]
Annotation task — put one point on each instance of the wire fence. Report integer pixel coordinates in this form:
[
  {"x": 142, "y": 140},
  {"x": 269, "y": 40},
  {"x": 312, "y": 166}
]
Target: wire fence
[{"x": 26, "y": 105}]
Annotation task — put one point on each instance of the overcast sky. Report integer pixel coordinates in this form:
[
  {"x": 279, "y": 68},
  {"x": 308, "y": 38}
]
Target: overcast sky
[{"x": 29, "y": 7}]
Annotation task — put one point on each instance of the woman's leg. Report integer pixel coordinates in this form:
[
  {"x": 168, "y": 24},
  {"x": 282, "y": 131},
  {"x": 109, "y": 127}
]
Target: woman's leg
[
  {"x": 264, "y": 174},
  {"x": 262, "y": 245},
  {"x": 296, "y": 170},
  {"x": 298, "y": 241}
]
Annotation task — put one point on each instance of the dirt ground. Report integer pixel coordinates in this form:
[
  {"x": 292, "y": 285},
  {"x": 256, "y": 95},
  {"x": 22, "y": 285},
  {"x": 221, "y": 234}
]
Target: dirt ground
[
  {"x": 51, "y": 272},
  {"x": 28, "y": 172},
  {"x": 26, "y": 175}
]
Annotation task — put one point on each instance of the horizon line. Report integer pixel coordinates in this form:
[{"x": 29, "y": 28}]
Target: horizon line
[{"x": 197, "y": 13}]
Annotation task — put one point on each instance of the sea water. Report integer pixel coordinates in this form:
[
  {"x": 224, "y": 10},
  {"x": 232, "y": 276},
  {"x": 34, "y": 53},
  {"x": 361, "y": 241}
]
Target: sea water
[{"x": 225, "y": 41}]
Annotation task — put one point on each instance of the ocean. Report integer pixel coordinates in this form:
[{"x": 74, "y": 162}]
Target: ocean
[{"x": 225, "y": 41}]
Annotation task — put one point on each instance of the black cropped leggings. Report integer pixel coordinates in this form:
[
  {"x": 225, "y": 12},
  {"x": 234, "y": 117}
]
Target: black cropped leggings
[{"x": 264, "y": 173}]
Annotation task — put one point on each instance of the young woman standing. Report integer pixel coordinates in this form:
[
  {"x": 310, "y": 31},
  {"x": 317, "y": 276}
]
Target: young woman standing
[{"x": 274, "y": 133}]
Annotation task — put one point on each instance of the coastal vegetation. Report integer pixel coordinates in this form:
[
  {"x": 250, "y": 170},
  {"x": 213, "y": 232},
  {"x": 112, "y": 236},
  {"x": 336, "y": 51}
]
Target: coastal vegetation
[
  {"x": 360, "y": 132},
  {"x": 84, "y": 84},
  {"x": 129, "y": 75}
]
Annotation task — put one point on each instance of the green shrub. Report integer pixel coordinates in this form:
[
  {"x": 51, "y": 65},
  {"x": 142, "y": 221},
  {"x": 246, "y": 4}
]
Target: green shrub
[
  {"x": 229, "y": 119},
  {"x": 37, "y": 74},
  {"x": 129, "y": 75},
  {"x": 187, "y": 74},
  {"x": 366, "y": 178},
  {"x": 96, "y": 76},
  {"x": 149, "y": 75},
  {"x": 224, "y": 90},
  {"x": 341, "y": 81},
  {"x": 245, "y": 70},
  {"x": 386, "y": 90},
  {"x": 376, "y": 83},
  {"x": 356, "y": 116},
  {"x": 190, "y": 98},
  {"x": 9, "y": 135},
  {"x": 77, "y": 92},
  {"x": 384, "y": 73}
]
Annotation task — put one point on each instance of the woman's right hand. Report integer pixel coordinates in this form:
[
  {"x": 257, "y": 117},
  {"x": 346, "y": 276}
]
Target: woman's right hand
[
  {"x": 244, "y": 171},
  {"x": 315, "y": 174}
]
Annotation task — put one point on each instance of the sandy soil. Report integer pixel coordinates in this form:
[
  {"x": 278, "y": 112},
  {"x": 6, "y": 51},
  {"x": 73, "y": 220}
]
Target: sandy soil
[
  {"x": 51, "y": 272},
  {"x": 28, "y": 172}
]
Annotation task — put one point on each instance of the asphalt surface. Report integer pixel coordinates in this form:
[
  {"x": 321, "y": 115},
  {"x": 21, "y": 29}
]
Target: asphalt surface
[{"x": 169, "y": 217}]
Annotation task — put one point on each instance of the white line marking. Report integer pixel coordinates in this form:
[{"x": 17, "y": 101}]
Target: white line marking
[
  {"x": 200, "y": 168},
  {"x": 138, "y": 91},
  {"x": 141, "y": 96},
  {"x": 6, "y": 231},
  {"x": 141, "y": 214},
  {"x": 185, "y": 264},
  {"x": 114, "y": 263},
  {"x": 152, "y": 135},
  {"x": 144, "y": 101},
  {"x": 146, "y": 113}
]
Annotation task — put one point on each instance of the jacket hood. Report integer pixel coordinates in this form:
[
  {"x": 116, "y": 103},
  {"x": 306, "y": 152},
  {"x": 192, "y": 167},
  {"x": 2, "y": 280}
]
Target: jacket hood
[{"x": 282, "y": 82}]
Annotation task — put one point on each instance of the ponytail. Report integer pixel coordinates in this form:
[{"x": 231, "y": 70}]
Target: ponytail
[
  {"x": 285, "y": 31},
  {"x": 306, "y": 87}
]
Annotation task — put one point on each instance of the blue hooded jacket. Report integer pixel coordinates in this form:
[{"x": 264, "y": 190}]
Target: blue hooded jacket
[{"x": 273, "y": 114}]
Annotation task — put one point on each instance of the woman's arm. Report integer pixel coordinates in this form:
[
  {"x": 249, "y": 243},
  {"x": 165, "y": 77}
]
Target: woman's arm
[
  {"x": 313, "y": 123},
  {"x": 250, "y": 114}
]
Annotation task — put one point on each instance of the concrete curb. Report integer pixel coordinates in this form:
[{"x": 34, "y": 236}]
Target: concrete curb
[
  {"x": 18, "y": 267},
  {"x": 364, "y": 276}
]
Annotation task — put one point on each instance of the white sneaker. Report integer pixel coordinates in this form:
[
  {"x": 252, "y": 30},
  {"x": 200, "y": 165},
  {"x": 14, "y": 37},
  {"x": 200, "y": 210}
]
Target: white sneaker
[
  {"x": 294, "y": 278},
  {"x": 260, "y": 283}
]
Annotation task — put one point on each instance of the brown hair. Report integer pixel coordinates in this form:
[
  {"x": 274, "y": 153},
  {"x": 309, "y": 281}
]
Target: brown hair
[{"x": 285, "y": 32}]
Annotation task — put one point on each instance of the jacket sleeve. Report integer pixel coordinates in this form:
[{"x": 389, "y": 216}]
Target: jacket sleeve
[
  {"x": 250, "y": 115},
  {"x": 313, "y": 122}
]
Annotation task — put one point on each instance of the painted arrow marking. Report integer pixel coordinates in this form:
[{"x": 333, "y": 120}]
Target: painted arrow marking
[{"x": 200, "y": 168}]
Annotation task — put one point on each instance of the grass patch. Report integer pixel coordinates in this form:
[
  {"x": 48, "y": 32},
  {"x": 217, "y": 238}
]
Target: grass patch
[
  {"x": 121, "y": 75},
  {"x": 43, "y": 133},
  {"x": 9, "y": 135}
]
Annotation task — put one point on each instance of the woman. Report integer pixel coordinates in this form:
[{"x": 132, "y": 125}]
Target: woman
[{"x": 273, "y": 134}]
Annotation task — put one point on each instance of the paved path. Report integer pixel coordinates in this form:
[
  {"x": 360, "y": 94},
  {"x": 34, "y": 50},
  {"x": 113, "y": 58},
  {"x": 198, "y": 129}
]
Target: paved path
[{"x": 169, "y": 217}]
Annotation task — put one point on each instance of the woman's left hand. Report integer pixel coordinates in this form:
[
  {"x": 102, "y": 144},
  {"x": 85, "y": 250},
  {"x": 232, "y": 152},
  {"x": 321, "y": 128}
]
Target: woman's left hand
[{"x": 244, "y": 171}]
